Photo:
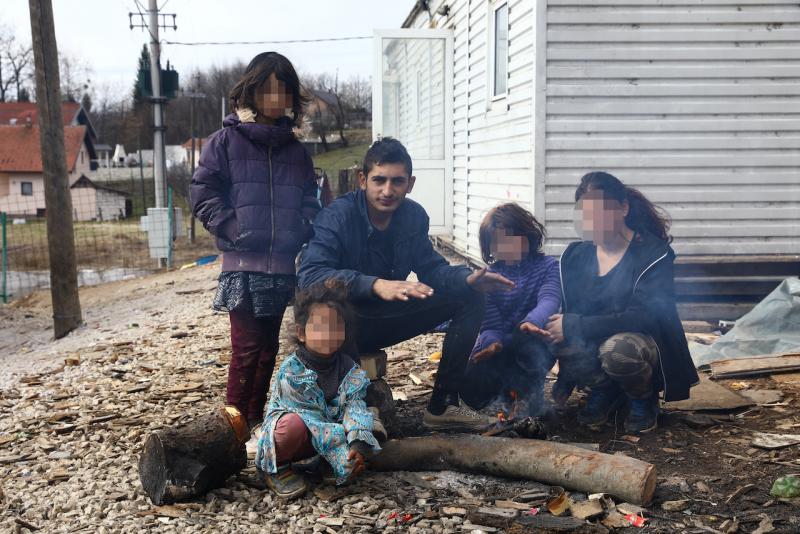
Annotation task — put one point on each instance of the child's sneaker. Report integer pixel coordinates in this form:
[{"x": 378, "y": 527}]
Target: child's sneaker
[{"x": 286, "y": 484}]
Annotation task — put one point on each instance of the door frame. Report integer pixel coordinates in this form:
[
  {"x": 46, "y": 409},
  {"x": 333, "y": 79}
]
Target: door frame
[{"x": 446, "y": 164}]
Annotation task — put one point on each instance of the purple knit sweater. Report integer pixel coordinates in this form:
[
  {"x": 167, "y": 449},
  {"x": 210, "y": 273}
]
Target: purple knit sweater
[{"x": 535, "y": 298}]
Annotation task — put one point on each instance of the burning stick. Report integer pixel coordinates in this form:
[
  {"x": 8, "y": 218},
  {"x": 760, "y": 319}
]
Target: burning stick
[
  {"x": 527, "y": 427},
  {"x": 515, "y": 420}
]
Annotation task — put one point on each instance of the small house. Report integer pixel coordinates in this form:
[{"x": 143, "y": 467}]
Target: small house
[
  {"x": 94, "y": 202},
  {"x": 21, "y": 173}
]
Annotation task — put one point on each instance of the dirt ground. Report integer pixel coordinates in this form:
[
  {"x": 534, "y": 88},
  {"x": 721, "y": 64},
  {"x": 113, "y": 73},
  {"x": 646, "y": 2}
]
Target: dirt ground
[{"x": 152, "y": 353}]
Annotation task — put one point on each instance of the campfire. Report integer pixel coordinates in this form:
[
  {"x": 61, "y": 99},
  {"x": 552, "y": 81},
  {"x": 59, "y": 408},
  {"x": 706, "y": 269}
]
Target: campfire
[
  {"x": 514, "y": 420},
  {"x": 504, "y": 416}
]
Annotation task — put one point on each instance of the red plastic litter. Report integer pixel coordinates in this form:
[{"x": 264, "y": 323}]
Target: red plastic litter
[
  {"x": 407, "y": 518},
  {"x": 635, "y": 520},
  {"x": 532, "y": 511},
  {"x": 391, "y": 516}
]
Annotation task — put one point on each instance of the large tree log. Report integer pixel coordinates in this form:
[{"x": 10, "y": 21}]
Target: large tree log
[
  {"x": 544, "y": 461},
  {"x": 184, "y": 462}
]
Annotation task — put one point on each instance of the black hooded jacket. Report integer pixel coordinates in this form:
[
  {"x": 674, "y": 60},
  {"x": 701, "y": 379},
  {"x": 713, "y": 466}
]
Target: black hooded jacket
[{"x": 644, "y": 302}]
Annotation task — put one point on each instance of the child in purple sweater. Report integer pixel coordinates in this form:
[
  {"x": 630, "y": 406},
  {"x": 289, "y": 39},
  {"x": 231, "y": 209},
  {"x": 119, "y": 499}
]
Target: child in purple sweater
[{"x": 511, "y": 356}]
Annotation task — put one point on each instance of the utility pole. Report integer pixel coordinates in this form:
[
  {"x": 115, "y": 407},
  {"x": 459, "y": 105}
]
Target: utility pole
[
  {"x": 152, "y": 24},
  {"x": 58, "y": 203},
  {"x": 158, "y": 119}
]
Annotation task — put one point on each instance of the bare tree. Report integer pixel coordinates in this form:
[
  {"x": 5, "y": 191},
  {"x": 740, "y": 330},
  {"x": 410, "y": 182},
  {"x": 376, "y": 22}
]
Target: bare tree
[
  {"x": 19, "y": 58},
  {"x": 325, "y": 87},
  {"x": 356, "y": 94},
  {"x": 7, "y": 44},
  {"x": 75, "y": 77}
]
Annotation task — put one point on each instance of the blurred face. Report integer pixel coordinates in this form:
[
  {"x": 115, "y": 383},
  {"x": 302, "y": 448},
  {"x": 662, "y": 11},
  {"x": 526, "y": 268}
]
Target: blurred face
[
  {"x": 599, "y": 219},
  {"x": 508, "y": 248},
  {"x": 386, "y": 186},
  {"x": 273, "y": 99},
  {"x": 324, "y": 331}
]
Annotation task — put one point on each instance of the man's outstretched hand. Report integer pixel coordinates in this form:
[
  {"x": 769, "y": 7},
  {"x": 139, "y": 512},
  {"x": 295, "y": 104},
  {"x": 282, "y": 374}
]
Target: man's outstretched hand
[
  {"x": 486, "y": 281},
  {"x": 488, "y": 352},
  {"x": 400, "y": 290}
]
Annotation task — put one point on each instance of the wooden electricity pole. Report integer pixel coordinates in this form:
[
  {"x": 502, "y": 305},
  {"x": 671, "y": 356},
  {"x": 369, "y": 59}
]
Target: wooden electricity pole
[{"x": 58, "y": 204}]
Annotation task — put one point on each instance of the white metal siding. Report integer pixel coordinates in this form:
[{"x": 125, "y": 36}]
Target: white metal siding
[
  {"x": 492, "y": 140},
  {"x": 695, "y": 102}
]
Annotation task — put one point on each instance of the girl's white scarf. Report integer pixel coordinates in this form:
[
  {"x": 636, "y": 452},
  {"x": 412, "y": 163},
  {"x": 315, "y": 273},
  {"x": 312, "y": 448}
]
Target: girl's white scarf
[{"x": 246, "y": 115}]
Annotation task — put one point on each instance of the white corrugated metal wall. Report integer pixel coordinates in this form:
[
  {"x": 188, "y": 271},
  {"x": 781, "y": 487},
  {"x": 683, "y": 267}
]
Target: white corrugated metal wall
[
  {"x": 493, "y": 160},
  {"x": 413, "y": 94},
  {"x": 695, "y": 102}
]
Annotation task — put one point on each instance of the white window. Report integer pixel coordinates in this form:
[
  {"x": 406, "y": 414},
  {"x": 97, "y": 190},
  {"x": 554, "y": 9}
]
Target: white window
[{"x": 499, "y": 50}]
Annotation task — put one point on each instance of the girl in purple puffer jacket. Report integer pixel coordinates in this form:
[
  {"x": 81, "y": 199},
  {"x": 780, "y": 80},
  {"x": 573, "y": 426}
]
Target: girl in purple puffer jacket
[{"x": 255, "y": 190}]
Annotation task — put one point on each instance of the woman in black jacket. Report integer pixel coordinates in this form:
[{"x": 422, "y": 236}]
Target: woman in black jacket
[{"x": 619, "y": 333}]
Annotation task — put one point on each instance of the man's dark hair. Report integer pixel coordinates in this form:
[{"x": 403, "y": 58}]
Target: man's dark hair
[
  {"x": 256, "y": 75},
  {"x": 386, "y": 150},
  {"x": 332, "y": 292}
]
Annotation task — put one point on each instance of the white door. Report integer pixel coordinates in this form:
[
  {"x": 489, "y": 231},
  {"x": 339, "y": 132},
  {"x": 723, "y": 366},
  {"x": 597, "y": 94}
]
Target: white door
[{"x": 412, "y": 101}]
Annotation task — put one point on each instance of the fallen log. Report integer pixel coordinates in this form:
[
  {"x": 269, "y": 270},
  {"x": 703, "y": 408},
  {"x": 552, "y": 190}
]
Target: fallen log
[
  {"x": 543, "y": 461},
  {"x": 185, "y": 462}
]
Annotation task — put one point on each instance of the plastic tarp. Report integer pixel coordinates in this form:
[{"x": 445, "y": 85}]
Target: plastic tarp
[{"x": 772, "y": 327}]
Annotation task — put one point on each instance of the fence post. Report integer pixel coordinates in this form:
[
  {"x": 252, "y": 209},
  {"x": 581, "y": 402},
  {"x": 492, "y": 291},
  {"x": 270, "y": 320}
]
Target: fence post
[
  {"x": 171, "y": 219},
  {"x": 3, "y": 219}
]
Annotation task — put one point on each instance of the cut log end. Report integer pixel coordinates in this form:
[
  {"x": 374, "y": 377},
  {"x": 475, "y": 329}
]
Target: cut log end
[
  {"x": 184, "y": 462},
  {"x": 152, "y": 469}
]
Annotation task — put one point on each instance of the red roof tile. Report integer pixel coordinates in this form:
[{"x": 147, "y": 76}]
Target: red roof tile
[
  {"x": 20, "y": 151},
  {"x": 21, "y": 110}
]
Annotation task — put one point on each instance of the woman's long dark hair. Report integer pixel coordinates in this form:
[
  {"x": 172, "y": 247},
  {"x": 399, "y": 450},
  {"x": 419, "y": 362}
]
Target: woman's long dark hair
[
  {"x": 256, "y": 75},
  {"x": 643, "y": 215},
  {"x": 515, "y": 219}
]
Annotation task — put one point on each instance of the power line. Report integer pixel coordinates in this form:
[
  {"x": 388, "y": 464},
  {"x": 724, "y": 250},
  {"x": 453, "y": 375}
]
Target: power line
[
  {"x": 289, "y": 41},
  {"x": 144, "y": 25}
]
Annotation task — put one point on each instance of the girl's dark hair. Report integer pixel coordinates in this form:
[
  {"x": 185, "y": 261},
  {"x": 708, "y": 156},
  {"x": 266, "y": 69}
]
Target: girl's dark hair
[
  {"x": 332, "y": 292},
  {"x": 515, "y": 219},
  {"x": 643, "y": 215},
  {"x": 256, "y": 75}
]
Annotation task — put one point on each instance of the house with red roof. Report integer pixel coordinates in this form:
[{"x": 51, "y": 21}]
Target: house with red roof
[
  {"x": 18, "y": 114},
  {"x": 22, "y": 179}
]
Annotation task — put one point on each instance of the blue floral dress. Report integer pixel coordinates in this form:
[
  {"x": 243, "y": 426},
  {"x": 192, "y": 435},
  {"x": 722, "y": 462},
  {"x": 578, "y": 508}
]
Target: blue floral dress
[{"x": 333, "y": 425}]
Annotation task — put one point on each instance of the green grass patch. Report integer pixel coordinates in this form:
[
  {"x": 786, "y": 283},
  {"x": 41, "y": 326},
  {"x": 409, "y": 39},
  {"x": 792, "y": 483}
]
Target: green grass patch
[{"x": 340, "y": 158}]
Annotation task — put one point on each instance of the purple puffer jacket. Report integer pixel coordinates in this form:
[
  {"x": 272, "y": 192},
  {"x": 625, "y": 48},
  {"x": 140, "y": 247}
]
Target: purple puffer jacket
[{"x": 262, "y": 176}]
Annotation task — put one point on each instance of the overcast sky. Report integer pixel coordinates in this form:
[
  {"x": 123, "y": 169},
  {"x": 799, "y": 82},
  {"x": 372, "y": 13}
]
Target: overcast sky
[{"x": 98, "y": 32}]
